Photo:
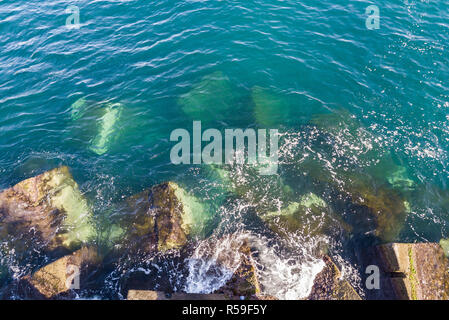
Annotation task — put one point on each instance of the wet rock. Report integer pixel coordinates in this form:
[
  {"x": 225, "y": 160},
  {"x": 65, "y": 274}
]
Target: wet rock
[
  {"x": 223, "y": 265},
  {"x": 158, "y": 295},
  {"x": 418, "y": 271},
  {"x": 328, "y": 285},
  {"x": 163, "y": 217},
  {"x": 59, "y": 278},
  {"x": 50, "y": 207},
  {"x": 244, "y": 282}
]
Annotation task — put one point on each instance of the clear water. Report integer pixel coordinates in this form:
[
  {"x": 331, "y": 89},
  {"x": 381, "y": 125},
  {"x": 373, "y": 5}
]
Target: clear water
[{"x": 316, "y": 57}]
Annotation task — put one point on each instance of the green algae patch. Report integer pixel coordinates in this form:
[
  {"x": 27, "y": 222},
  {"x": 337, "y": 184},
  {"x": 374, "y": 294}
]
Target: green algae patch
[
  {"x": 412, "y": 274},
  {"x": 209, "y": 99},
  {"x": 444, "y": 243},
  {"x": 107, "y": 128}
]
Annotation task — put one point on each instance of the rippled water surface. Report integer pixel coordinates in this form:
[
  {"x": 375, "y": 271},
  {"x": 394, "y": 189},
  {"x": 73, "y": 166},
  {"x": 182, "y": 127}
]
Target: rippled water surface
[{"x": 357, "y": 109}]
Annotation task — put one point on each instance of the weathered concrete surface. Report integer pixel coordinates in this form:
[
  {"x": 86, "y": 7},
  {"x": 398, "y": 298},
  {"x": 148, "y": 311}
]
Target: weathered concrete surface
[
  {"x": 59, "y": 277},
  {"x": 328, "y": 285},
  {"x": 158, "y": 295},
  {"x": 49, "y": 207},
  {"x": 418, "y": 271}
]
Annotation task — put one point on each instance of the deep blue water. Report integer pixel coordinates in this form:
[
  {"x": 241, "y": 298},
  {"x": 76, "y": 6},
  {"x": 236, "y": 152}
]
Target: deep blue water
[{"x": 316, "y": 57}]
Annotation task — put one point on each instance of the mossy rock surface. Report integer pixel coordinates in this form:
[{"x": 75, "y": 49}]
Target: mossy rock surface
[{"x": 52, "y": 205}]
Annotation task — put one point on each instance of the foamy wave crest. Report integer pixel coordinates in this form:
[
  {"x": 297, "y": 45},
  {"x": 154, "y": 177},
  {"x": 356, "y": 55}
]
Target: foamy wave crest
[{"x": 284, "y": 274}]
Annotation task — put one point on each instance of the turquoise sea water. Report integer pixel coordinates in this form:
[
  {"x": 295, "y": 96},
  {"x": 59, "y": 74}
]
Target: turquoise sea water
[{"x": 388, "y": 86}]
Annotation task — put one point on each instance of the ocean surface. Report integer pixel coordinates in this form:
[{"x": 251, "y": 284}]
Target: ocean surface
[{"x": 358, "y": 110}]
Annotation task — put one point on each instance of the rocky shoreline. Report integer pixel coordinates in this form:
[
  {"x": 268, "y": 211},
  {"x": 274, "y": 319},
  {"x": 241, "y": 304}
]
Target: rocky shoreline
[{"x": 50, "y": 211}]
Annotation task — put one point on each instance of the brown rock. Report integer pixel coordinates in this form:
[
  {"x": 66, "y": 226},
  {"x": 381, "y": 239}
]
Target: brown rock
[
  {"x": 244, "y": 281},
  {"x": 59, "y": 277},
  {"x": 328, "y": 285},
  {"x": 49, "y": 207},
  {"x": 156, "y": 219},
  {"x": 417, "y": 271}
]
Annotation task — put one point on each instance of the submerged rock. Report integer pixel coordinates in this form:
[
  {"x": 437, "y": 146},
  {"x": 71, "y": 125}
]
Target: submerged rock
[
  {"x": 311, "y": 217},
  {"x": 418, "y": 271},
  {"x": 59, "y": 278},
  {"x": 49, "y": 206},
  {"x": 107, "y": 128},
  {"x": 78, "y": 108},
  {"x": 163, "y": 217},
  {"x": 96, "y": 123},
  {"x": 264, "y": 192},
  {"x": 210, "y": 99},
  {"x": 270, "y": 110},
  {"x": 328, "y": 285},
  {"x": 350, "y": 159}
]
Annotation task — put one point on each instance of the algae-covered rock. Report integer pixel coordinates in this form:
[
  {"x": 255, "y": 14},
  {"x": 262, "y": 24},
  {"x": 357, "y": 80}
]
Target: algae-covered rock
[
  {"x": 209, "y": 99},
  {"x": 418, "y": 271},
  {"x": 270, "y": 110},
  {"x": 50, "y": 206},
  {"x": 328, "y": 285},
  {"x": 58, "y": 278},
  {"x": 108, "y": 127},
  {"x": 164, "y": 216}
]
